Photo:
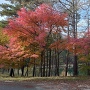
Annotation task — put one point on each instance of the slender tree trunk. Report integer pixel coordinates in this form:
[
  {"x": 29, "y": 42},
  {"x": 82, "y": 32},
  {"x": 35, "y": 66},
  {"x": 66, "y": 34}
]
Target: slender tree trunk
[
  {"x": 34, "y": 67},
  {"x": 12, "y": 72},
  {"x": 26, "y": 74},
  {"x": 67, "y": 57},
  {"x": 43, "y": 64},
  {"x": 74, "y": 25},
  {"x": 49, "y": 74},
  {"x": 88, "y": 70},
  {"x": 52, "y": 64},
  {"x": 55, "y": 63},
  {"x": 75, "y": 66},
  {"x": 18, "y": 69},
  {"x": 22, "y": 70},
  {"x": 3, "y": 69},
  {"x": 58, "y": 64},
  {"x": 47, "y": 63}
]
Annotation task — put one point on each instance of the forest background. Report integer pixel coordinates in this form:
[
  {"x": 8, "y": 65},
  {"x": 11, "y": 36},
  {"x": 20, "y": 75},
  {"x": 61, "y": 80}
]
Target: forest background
[{"x": 49, "y": 39}]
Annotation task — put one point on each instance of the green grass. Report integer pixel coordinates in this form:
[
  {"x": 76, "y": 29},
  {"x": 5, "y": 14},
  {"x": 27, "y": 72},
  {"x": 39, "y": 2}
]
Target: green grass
[
  {"x": 43, "y": 78},
  {"x": 4, "y": 77}
]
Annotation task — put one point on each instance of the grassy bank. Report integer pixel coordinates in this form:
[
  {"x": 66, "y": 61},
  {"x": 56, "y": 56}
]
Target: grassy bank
[{"x": 5, "y": 78}]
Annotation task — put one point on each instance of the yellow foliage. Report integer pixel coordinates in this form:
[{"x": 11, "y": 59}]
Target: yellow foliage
[{"x": 3, "y": 38}]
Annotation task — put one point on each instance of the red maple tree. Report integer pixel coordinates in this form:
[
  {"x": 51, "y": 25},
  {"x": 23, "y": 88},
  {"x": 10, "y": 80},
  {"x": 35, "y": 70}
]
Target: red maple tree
[{"x": 32, "y": 27}]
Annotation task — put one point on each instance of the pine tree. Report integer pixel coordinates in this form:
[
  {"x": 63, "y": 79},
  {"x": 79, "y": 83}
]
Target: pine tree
[{"x": 10, "y": 9}]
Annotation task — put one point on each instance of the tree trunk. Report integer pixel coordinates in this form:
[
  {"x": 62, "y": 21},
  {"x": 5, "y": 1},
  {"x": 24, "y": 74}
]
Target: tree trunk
[
  {"x": 22, "y": 70},
  {"x": 58, "y": 64},
  {"x": 41, "y": 66},
  {"x": 55, "y": 63},
  {"x": 12, "y": 72},
  {"x": 75, "y": 66},
  {"x": 88, "y": 70},
  {"x": 18, "y": 71},
  {"x": 44, "y": 64},
  {"x": 67, "y": 57},
  {"x": 34, "y": 67},
  {"x": 52, "y": 64},
  {"x": 3, "y": 69},
  {"x": 49, "y": 74},
  {"x": 47, "y": 63},
  {"x": 26, "y": 74},
  {"x": 74, "y": 24}
]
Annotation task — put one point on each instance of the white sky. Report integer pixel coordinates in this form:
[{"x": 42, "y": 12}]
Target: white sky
[
  {"x": 2, "y": 1},
  {"x": 81, "y": 23}
]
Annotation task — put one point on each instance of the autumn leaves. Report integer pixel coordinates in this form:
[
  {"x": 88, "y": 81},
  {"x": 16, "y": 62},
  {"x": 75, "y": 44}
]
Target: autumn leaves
[{"x": 33, "y": 31}]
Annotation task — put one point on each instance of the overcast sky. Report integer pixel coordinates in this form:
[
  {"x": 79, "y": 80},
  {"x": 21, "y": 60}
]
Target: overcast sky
[
  {"x": 81, "y": 23},
  {"x": 3, "y": 1}
]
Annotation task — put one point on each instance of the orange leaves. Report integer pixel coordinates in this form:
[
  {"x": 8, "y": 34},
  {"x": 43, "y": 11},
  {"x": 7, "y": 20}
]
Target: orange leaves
[
  {"x": 50, "y": 16},
  {"x": 83, "y": 58},
  {"x": 28, "y": 31},
  {"x": 60, "y": 44},
  {"x": 76, "y": 46},
  {"x": 31, "y": 27},
  {"x": 34, "y": 56}
]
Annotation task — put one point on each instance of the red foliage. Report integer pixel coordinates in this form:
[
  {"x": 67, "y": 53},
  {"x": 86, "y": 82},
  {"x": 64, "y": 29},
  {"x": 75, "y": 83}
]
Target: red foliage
[
  {"x": 34, "y": 56},
  {"x": 79, "y": 46},
  {"x": 60, "y": 44},
  {"x": 30, "y": 29},
  {"x": 33, "y": 25}
]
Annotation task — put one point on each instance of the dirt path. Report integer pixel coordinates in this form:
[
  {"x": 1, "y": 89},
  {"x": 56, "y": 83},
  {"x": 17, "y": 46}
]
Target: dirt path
[
  {"x": 64, "y": 85},
  {"x": 14, "y": 85},
  {"x": 46, "y": 85}
]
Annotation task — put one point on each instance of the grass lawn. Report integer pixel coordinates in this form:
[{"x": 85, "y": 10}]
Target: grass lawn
[{"x": 78, "y": 78}]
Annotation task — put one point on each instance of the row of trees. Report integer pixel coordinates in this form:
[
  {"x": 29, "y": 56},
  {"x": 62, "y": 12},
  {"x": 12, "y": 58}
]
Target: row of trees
[{"x": 38, "y": 33}]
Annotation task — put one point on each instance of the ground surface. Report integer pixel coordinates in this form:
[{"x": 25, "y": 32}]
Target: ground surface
[{"x": 59, "y": 84}]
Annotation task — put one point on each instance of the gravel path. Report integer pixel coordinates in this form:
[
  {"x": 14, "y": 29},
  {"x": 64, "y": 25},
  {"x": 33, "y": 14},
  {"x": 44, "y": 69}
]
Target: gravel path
[
  {"x": 45, "y": 85},
  {"x": 12, "y": 85},
  {"x": 65, "y": 86}
]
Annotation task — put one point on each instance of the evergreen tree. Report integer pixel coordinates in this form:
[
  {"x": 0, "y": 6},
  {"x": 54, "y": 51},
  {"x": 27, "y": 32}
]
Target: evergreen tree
[{"x": 11, "y": 8}]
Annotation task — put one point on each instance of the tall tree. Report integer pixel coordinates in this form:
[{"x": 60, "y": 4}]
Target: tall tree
[
  {"x": 11, "y": 8},
  {"x": 72, "y": 7},
  {"x": 33, "y": 27}
]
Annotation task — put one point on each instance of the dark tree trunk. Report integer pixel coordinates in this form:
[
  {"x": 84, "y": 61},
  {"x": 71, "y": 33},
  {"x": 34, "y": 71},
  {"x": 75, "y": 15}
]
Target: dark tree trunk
[
  {"x": 75, "y": 66},
  {"x": 74, "y": 25},
  {"x": 3, "y": 69},
  {"x": 41, "y": 66},
  {"x": 55, "y": 63},
  {"x": 49, "y": 74},
  {"x": 88, "y": 70},
  {"x": 67, "y": 57},
  {"x": 18, "y": 71},
  {"x": 52, "y": 64},
  {"x": 22, "y": 70},
  {"x": 34, "y": 67},
  {"x": 58, "y": 64},
  {"x": 12, "y": 72},
  {"x": 44, "y": 64},
  {"x": 47, "y": 63},
  {"x": 26, "y": 74}
]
